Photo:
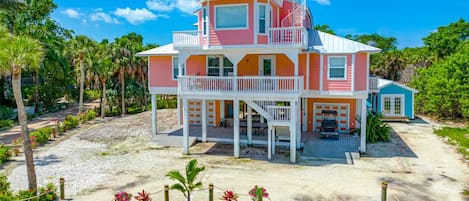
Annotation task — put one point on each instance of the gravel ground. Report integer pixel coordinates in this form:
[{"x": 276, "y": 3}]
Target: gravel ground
[{"x": 100, "y": 160}]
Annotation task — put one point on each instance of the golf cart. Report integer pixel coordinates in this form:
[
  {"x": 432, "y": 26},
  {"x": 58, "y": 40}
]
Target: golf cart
[{"x": 329, "y": 124}]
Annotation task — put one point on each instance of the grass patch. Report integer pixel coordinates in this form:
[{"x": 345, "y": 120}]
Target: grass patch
[
  {"x": 104, "y": 153},
  {"x": 458, "y": 137}
]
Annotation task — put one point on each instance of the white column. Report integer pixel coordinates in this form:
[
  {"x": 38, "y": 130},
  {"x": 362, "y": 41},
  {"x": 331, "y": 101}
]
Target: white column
[
  {"x": 178, "y": 110},
  {"x": 269, "y": 142},
  {"x": 273, "y": 140},
  {"x": 153, "y": 114},
  {"x": 292, "y": 131},
  {"x": 236, "y": 127},
  {"x": 305, "y": 114},
  {"x": 363, "y": 127},
  {"x": 204, "y": 120},
  {"x": 298, "y": 125},
  {"x": 222, "y": 109},
  {"x": 185, "y": 129},
  {"x": 249, "y": 126}
]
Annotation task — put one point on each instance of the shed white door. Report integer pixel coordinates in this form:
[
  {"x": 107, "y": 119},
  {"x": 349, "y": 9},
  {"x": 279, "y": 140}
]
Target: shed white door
[
  {"x": 343, "y": 111},
  {"x": 195, "y": 112},
  {"x": 392, "y": 105}
]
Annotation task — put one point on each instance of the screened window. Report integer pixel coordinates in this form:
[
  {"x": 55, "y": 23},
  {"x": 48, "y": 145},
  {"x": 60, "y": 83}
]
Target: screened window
[
  {"x": 176, "y": 68},
  {"x": 204, "y": 21},
  {"x": 262, "y": 19},
  {"x": 231, "y": 17},
  {"x": 219, "y": 66},
  {"x": 337, "y": 67},
  {"x": 213, "y": 66}
]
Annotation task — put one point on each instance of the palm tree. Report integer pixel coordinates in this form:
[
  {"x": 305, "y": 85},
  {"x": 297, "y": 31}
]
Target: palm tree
[
  {"x": 103, "y": 69},
  {"x": 80, "y": 47},
  {"x": 121, "y": 56},
  {"x": 10, "y": 4},
  {"x": 186, "y": 184},
  {"x": 18, "y": 53}
]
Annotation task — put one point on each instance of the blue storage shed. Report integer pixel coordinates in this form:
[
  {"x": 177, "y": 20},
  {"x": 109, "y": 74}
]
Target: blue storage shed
[{"x": 394, "y": 100}]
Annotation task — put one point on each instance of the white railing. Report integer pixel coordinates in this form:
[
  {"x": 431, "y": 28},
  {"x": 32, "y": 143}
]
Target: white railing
[
  {"x": 184, "y": 39},
  {"x": 373, "y": 84},
  {"x": 244, "y": 84},
  {"x": 288, "y": 36},
  {"x": 279, "y": 113}
]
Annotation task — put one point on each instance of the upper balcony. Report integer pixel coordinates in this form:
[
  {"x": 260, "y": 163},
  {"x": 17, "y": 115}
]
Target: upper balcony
[
  {"x": 277, "y": 37},
  {"x": 252, "y": 86}
]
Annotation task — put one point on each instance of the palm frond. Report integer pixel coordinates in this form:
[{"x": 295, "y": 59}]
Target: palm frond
[{"x": 179, "y": 187}]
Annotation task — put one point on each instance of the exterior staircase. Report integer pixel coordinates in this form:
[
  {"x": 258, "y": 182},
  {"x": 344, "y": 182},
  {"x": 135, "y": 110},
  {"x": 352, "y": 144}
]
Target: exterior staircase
[{"x": 276, "y": 115}]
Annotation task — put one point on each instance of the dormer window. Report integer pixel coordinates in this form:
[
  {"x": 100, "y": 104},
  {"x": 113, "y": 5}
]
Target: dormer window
[{"x": 233, "y": 16}]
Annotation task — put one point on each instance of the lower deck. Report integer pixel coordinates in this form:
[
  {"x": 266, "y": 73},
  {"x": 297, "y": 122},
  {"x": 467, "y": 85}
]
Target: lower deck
[{"x": 313, "y": 145}]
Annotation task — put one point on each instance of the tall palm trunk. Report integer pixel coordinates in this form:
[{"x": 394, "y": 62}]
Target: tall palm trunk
[
  {"x": 123, "y": 91},
  {"x": 103, "y": 99},
  {"x": 23, "y": 119},
  {"x": 82, "y": 82},
  {"x": 36, "y": 91}
]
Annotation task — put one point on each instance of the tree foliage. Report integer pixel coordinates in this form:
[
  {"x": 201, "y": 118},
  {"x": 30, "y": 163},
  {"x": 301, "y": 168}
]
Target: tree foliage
[
  {"x": 324, "y": 28},
  {"x": 446, "y": 39}
]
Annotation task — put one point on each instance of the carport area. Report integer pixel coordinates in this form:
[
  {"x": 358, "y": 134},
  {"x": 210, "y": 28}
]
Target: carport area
[{"x": 345, "y": 148}]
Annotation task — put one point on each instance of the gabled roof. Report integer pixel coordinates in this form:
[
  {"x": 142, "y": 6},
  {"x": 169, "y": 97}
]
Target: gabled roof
[
  {"x": 384, "y": 82},
  {"x": 322, "y": 42},
  {"x": 167, "y": 49}
]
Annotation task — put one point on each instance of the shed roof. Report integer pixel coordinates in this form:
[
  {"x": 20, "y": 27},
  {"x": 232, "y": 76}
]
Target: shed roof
[
  {"x": 384, "y": 82},
  {"x": 322, "y": 42}
]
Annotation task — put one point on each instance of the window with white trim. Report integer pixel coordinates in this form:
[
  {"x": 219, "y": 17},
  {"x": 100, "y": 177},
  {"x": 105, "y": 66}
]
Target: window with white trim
[
  {"x": 337, "y": 68},
  {"x": 204, "y": 21},
  {"x": 231, "y": 16},
  {"x": 176, "y": 68},
  {"x": 219, "y": 66},
  {"x": 262, "y": 19}
]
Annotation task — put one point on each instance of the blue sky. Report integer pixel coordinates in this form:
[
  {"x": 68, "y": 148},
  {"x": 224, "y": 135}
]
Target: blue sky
[{"x": 407, "y": 20}]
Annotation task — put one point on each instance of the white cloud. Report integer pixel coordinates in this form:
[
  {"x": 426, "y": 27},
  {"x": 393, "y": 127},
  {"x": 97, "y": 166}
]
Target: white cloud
[
  {"x": 135, "y": 16},
  {"x": 185, "y": 6},
  {"x": 323, "y": 2},
  {"x": 160, "y": 5},
  {"x": 98, "y": 15},
  {"x": 71, "y": 13}
]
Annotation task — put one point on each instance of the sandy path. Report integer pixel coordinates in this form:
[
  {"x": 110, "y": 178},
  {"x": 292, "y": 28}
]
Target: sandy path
[{"x": 114, "y": 156}]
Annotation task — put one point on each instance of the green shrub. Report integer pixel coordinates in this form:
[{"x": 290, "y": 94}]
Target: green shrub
[
  {"x": 5, "y": 112},
  {"x": 113, "y": 113},
  {"x": 71, "y": 122},
  {"x": 48, "y": 192},
  {"x": 6, "y": 124},
  {"x": 5, "y": 154},
  {"x": 90, "y": 114},
  {"x": 377, "y": 129},
  {"x": 5, "y": 193},
  {"x": 42, "y": 135},
  {"x": 91, "y": 95}
]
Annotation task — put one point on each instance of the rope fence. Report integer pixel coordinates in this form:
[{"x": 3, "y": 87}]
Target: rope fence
[{"x": 166, "y": 189}]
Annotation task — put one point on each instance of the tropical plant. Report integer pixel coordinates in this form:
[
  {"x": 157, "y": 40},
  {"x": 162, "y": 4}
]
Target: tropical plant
[
  {"x": 258, "y": 193},
  {"x": 143, "y": 196},
  {"x": 103, "y": 69},
  {"x": 5, "y": 153},
  {"x": 187, "y": 183},
  {"x": 229, "y": 196},
  {"x": 18, "y": 53},
  {"x": 6, "y": 123},
  {"x": 122, "y": 196},
  {"x": 377, "y": 129}
]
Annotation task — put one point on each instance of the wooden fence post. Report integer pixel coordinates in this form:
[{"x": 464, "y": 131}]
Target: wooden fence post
[
  {"x": 384, "y": 187},
  {"x": 62, "y": 188},
  {"x": 210, "y": 192},
  {"x": 166, "y": 193}
]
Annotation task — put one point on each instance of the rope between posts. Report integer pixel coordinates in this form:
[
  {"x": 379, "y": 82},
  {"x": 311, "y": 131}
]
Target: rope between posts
[
  {"x": 156, "y": 192},
  {"x": 37, "y": 196}
]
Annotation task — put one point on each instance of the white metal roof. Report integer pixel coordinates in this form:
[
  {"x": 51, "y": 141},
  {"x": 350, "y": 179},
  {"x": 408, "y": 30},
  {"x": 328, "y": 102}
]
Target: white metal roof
[
  {"x": 384, "y": 82},
  {"x": 162, "y": 50},
  {"x": 322, "y": 42}
]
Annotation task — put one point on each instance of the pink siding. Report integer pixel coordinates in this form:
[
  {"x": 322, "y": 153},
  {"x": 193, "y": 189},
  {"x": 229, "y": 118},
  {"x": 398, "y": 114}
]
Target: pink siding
[
  {"x": 314, "y": 71},
  {"x": 196, "y": 65},
  {"x": 262, "y": 39},
  {"x": 232, "y": 37},
  {"x": 161, "y": 72},
  {"x": 337, "y": 85},
  {"x": 361, "y": 74}
]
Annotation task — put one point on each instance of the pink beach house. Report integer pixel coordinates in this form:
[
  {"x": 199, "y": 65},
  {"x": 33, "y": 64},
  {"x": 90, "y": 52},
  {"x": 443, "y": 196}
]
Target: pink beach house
[{"x": 264, "y": 58}]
